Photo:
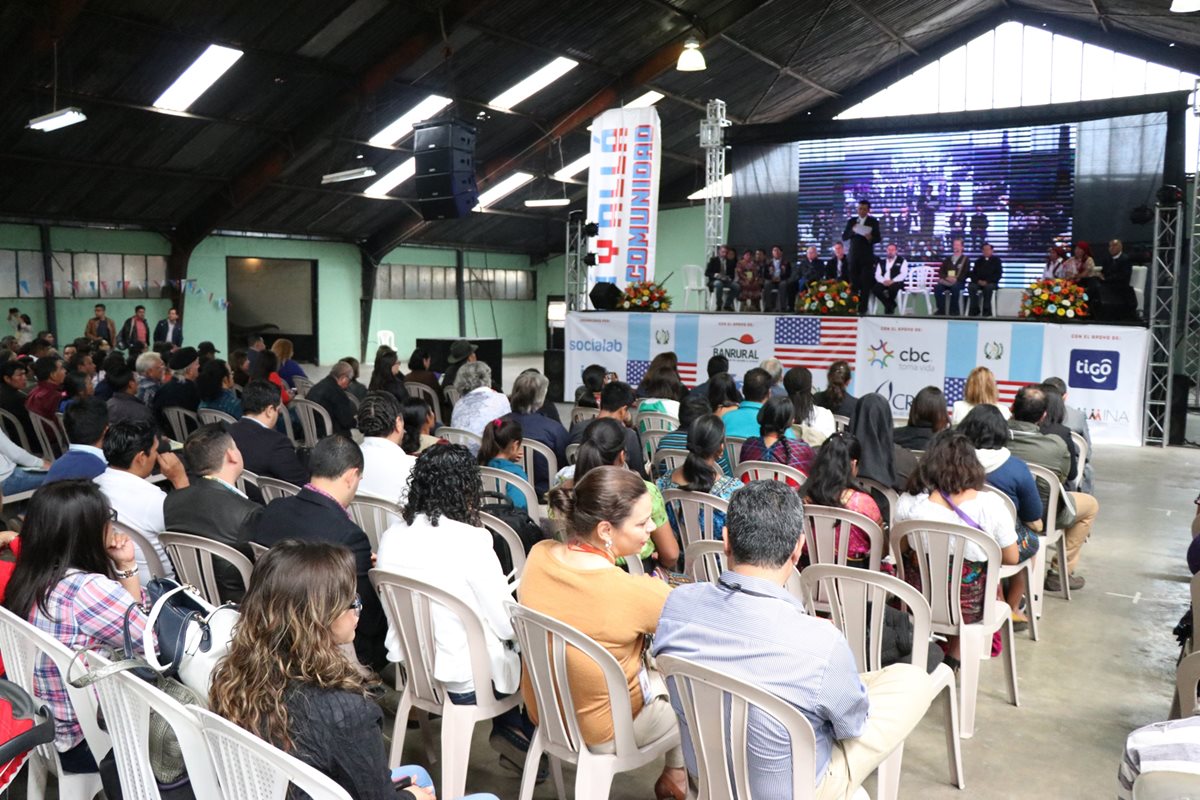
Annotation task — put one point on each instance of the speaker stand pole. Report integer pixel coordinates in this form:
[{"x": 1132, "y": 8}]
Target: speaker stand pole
[{"x": 460, "y": 291}]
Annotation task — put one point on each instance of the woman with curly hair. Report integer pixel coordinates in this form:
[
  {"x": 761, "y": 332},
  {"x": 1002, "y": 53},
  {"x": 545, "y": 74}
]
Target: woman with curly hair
[
  {"x": 441, "y": 539},
  {"x": 286, "y": 680}
]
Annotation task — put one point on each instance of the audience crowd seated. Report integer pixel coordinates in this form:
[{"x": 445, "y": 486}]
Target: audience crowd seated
[
  {"x": 478, "y": 402},
  {"x": 86, "y": 424},
  {"x": 616, "y": 398},
  {"x": 528, "y": 396},
  {"x": 215, "y": 385},
  {"x": 832, "y": 483},
  {"x": 689, "y": 411},
  {"x": 699, "y": 471},
  {"x": 723, "y": 394},
  {"x": 331, "y": 394},
  {"x": 386, "y": 466},
  {"x": 385, "y": 375},
  {"x": 797, "y": 381},
  {"x": 501, "y": 449},
  {"x": 289, "y": 370},
  {"x": 123, "y": 404},
  {"x": 926, "y": 416},
  {"x": 772, "y": 444},
  {"x": 883, "y": 460},
  {"x": 980, "y": 388},
  {"x": 266, "y": 451},
  {"x": 836, "y": 395},
  {"x": 418, "y": 424},
  {"x": 742, "y": 422}
]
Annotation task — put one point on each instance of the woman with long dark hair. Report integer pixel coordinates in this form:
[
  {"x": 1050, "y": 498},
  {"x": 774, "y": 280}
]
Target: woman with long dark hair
[
  {"x": 700, "y": 472},
  {"x": 775, "y": 420},
  {"x": 385, "y": 375},
  {"x": 723, "y": 395},
  {"x": 608, "y": 514},
  {"x": 831, "y": 483},
  {"x": 418, "y": 422},
  {"x": 77, "y": 580},
  {"x": 797, "y": 382},
  {"x": 662, "y": 390},
  {"x": 215, "y": 385},
  {"x": 501, "y": 449},
  {"x": 926, "y": 416},
  {"x": 266, "y": 367},
  {"x": 836, "y": 395},
  {"x": 882, "y": 459}
]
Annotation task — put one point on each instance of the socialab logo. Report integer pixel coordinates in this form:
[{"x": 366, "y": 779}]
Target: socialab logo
[
  {"x": 1094, "y": 369},
  {"x": 879, "y": 354}
]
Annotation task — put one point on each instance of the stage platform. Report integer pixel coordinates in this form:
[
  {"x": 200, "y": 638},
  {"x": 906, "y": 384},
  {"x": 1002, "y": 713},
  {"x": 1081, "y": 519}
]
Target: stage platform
[{"x": 1103, "y": 365}]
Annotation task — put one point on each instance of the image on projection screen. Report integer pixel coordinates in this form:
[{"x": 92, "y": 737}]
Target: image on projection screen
[
  {"x": 271, "y": 291},
  {"x": 1011, "y": 187}
]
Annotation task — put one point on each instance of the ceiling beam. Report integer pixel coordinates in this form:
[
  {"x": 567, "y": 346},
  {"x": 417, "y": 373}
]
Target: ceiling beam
[
  {"x": 654, "y": 64},
  {"x": 270, "y": 163},
  {"x": 128, "y": 169},
  {"x": 878, "y": 23},
  {"x": 781, "y": 68},
  {"x": 1100, "y": 16}
]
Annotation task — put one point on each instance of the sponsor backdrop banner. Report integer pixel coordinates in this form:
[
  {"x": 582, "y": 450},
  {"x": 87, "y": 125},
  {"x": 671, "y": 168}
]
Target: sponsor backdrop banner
[
  {"x": 623, "y": 194},
  {"x": 1104, "y": 366}
]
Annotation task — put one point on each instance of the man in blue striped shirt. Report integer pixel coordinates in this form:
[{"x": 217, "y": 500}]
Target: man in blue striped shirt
[{"x": 750, "y": 627}]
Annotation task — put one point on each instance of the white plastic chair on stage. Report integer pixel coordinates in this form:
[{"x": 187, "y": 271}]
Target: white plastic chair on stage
[
  {"x": 386, "y": 338},
  {"x": 693, "y": 285},
  {"x": 919, "y": 283}
]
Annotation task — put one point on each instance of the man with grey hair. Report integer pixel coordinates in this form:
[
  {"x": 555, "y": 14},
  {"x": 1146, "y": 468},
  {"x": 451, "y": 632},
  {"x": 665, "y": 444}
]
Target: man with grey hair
[
  {"x": 528, "y": 395},
  {"x": 149, "y": 367},
  {"x": 749, "y": 626},
  {"x": 330, "y": 394},
  {"x": 478, "y": 404},
  {"x": 774, "y": 368}
]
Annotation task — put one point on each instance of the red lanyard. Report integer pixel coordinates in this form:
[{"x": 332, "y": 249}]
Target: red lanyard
[{"x": 584, "y": 547}]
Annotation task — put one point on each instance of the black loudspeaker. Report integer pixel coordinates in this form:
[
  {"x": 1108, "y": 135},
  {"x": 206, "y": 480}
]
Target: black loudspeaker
[
  {"x": 554, "y": 365},
  {"x": 444, "y": 152},
  {"x": 605, "y": 296}
]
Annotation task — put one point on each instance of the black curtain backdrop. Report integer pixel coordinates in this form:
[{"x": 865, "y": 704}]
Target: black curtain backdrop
[
  {"x": 765, "y": 186},
  {"x": 1118, "y": 165}
]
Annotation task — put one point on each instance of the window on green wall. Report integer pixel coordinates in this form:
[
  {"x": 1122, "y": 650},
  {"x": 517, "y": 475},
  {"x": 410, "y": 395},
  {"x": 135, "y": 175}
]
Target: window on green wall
[
  {"x": 413, "y": 282},
  {"x": 83, "y": 275}
]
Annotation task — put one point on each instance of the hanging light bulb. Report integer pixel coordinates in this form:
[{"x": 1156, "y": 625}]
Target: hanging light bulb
[{"x": 691, "y": 59}]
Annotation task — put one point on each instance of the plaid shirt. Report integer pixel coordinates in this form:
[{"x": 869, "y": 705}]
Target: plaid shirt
[{"x": 85, "y": 610}]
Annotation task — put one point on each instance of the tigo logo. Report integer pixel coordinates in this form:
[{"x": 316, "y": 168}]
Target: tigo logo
[{"x": 1094, "y": 369}]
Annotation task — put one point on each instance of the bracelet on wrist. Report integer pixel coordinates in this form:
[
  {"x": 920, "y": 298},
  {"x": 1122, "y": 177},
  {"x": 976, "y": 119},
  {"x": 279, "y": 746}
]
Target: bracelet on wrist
[{"x": 124, "y": 574}]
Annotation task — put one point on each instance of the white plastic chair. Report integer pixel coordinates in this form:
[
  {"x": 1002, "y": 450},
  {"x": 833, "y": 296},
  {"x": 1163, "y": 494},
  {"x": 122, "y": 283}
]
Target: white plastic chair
[
  {"x": 249, "y": 768},
  {"x": 289, "y": 430},
  {"x": 302, "y": 386},
  {"x": 15, "y": 430},
  {"x": 23, "y": 645},
  {"x": 459, "y": 436},
  {"x": 516, "y": 547},
  {"x": 193, "y": 559},
  {"x": 667, "y": 460},
  {"x": 386, "y": 339},
  {"x": 888, "y": 493},
  {"x": 856, "y": 599},
  {"x": 840, "y": 423},
  {"x": 828, "y": 531},
  {"x": 182, "y": 422},
  {"x": 497, "y": 480},
  {"x": 720, "y": 738},
  {"x": 1187, "y": 678},
  {"x": 127, "y": 702},
  {"x": 733, "y": 450},
  {"x": 919, "y": 282},
  {"x": 579, "y": 413},
  {"x": 1137, "y": 281},
  {"x": 693, "y": 286},
  {"x": 273, "y": 488},
  {"x": 208, "y": 416},
  {"x": 545, "y": 643},
  {"x": 531, "y": 451},
  {"x": 1029, "y": 566},
  {"x": 695, "y": 517},
  {"x": 707, "y": 561},
  {"x": 1081, "y": 445},
  {"x": 259, "y": 550},
  {"x": 452, "y": 395},
  {"x": 939, "y": 549},
  {"x": 656, "y": 421},
  {"x": 407, "y": 602},
  {"x": 51, "y": 439},
  {"x": 769, "y": 471},
  {"x": 309, "y": 413},
  {"x": 1166, "y": 785},
  {"x": 650, "y": 442},
  {"x": 374, "y": 516},
  {"x": 422, "y": 392},
  {"x": 572, "y": 452},
  {"x": 247, "y": 478},
  {"x": 1051, "y": 536}
]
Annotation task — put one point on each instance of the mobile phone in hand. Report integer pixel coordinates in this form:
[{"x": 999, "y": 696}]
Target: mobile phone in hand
[{"x": 401, "y": 781}]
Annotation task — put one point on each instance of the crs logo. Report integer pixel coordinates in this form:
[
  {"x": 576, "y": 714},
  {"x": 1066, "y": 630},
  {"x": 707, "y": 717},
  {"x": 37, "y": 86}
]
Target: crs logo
[
  {"x": 898, "y": 402},
  {"x": 1094, "y": 369},
  {"x": 596, "y": 345},
  {"x": 879, "y": 354}
]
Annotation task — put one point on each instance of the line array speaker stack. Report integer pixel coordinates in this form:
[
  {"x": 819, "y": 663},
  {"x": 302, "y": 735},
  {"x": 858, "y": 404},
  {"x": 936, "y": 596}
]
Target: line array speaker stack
[{"x": 444, "y": 151}]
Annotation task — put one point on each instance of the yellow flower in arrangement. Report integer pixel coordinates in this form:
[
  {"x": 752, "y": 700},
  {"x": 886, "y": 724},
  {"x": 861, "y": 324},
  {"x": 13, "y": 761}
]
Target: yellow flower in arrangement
[{"x": 645, "y": 296}]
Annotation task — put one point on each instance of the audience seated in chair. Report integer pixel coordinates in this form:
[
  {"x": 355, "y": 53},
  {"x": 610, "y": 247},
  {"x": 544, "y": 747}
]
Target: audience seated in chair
[
  {"x": 123, "y": 404},
  {"x": 212, "y": 506},
  {"x": 418, "y": 426},
  {"x": 14, "y": 377},
  {"x": 797, "y": 382},
  {"x": 318, "y": 514},
  {"x": 385, "y": 375},
  {"x": 716, "y": 365},
  {"x": 479, "y": 403},
  {"x": 832, "y": 483},
  {"x": 180, "y": 391},
  {"x": 265, "y": 451},
  {"x": 85, "y": 423},
  {"x": 926, "y": 417},
  {"x": 151, "y": 369},
  {"x": 1076, "y": 421},
  {"x": 501, "y": 449},
  {"x": 386, "y": 466},
  {"x": 882, "y": 459},
  {"x": 215, "y": 387},
  {"x": 330, "y": 394},
  {"x": 742, "y": 422},
  {"x": 700, "y": 473},
  {"x": 44, "y": 398},
  {"x": 608, "y": 514},
  {"x": 285, "y": 679},
  {"x": 836, "y": 395},
  {"x": 356, "y": 388},
  {"x": 289, "y": 370},
  {"x": 616, "y": 398},
  {"x": 980, "y": 388},
  {"x": 77, "y": 580},
  {"x": 858, "y": 720},
  {"x": 442, "y": 540},
  {"x": 771, "y": 444},
  {"x": 529, "y": 395}
]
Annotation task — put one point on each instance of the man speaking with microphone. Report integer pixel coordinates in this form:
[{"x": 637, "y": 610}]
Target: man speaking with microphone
[{"x": 862, "y": 232}]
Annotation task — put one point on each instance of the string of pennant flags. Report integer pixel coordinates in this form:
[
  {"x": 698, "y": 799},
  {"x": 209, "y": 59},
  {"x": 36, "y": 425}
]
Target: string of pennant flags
[{"x": 189, "y": 287}]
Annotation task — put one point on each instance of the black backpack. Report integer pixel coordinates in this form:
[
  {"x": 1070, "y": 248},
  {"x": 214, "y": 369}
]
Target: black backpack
[{"x": 500, "y": 506}]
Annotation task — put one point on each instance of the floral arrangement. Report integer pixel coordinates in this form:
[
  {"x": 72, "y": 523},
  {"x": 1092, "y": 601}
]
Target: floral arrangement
[
  {"x": 828, "y": 297},
  {"x": 1054, "y": 299},
  {"x": 645, "y": 296}
]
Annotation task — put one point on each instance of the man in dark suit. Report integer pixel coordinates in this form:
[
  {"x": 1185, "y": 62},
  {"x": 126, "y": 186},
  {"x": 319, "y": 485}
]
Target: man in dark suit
[
  {"x": 951, "y": 275},
  {"x": 985, "y": 275},
  {"x": 1119, "y": 269},
  {"x": 810, "y": 268},
  {"x": 721, "y": 275},
  {"x": 862, "y": 232},
  {"x": 169, "y": 330},
  {"x": 837, "y": 268},
  {"x": 890, "y": 276},
  {"x": 318, "y": 514},
  {"x": 124, "y": 404},
  {"x": 135, "y": 331},
  {"x": 254, "y": 346},
  {"x": 214, "y": 507},
  {"x": 779, "y": 282},
  {"x": 265, "y": 451},
  {"x": 14, "y": 378},
  {"x": 330, "y": 394},
  {"x": 180, "y": 391}
]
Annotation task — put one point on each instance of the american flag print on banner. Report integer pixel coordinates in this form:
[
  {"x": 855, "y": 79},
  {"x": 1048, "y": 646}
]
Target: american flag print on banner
[
  {"x": 815, "y": 342},
  {"x": 635, "y": 371},
  {"x": 955, "y": 389},
  {"x": 687, "y": 374}
]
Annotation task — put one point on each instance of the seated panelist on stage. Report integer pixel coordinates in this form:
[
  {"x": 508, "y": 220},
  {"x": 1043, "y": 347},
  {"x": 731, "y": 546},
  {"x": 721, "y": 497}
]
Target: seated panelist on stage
[
  {"x": 951, "y": 276},
  {"x": 721, "y": 276},
  {"x": 985, "y": 277},
  {"x": 809, "y": 268},
  {"x": 837, "y": 268},
  {"x": 779, "y": 282},
  {"x": 890, "y": 275}
]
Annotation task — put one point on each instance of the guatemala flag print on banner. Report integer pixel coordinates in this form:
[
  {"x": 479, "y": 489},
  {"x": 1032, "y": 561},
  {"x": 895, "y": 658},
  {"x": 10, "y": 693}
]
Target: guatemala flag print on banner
[{"x": 623, "y": 195}]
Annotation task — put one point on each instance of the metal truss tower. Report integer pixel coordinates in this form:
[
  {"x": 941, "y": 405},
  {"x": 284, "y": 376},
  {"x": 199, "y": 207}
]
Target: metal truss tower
[
  {"x": 1164, "y": 286},
  {"x": 712, "y": 141},
  {"x": 576, "y": 266},
  {"x": 1191, "y": 321}
]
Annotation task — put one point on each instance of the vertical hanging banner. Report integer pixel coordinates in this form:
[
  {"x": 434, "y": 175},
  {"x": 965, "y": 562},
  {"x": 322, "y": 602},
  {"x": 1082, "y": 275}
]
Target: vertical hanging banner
[{"x": 623, "y": 195}]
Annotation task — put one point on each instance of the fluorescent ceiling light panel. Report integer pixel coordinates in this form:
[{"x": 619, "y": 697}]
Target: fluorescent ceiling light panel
[
  {"x": 574, "y": 168},
  {"x": 534, "y": 83},
  {"x": 391, "y": 180},
  {"x": 648, "y": 99},
  {"x": 1185, "y": 6},
  {"x": 57, "y": 119},
  {"x": 504, "y": 187},
  {"x": 402, "y": 126},
  {"x": 722, "y": 189},
  {"x": 348, "y": 175},
  {"x": 196, "y": 79},
  {"x": 547, "y": 202}
]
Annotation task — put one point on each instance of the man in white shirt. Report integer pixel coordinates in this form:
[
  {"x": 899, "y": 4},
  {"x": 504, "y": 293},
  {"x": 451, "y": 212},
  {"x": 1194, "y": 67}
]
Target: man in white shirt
[
  {"x": 132, "y": 452},
  {"x": 890, "y": 275},
  {"x": 385, "y": 465}
]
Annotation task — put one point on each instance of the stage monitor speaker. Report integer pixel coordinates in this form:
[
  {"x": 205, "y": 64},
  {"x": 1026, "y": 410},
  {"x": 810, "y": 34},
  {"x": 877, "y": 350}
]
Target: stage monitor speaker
[
  {"x": 554, "y": 368},
  {"x": 605, "y": 296},
  {"x": 444, "y": 156}
]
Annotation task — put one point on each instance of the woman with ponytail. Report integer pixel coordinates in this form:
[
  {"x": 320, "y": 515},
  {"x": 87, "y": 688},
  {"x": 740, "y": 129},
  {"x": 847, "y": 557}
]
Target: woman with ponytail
[
  {"x": 501, "y": 449},
  {"x": 604, "y": 446},
  {"x": 700, "y": 472},
  {"x": 608, "y": 514},
  {"x": 831, "y": 483},
  {"x": 837, "y": 397}
]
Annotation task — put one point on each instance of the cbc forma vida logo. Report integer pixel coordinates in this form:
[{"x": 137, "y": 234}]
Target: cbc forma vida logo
[
  {"x": 1094, "y": 369},
  {"x": 910, "y": 358}
]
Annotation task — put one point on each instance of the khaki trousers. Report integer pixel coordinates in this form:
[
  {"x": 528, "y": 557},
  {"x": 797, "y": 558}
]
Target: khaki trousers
[
  {"x": 900, "y": 695},
  {"x": 657, "y": 718},
  {"x": 1086, "y": 509}
]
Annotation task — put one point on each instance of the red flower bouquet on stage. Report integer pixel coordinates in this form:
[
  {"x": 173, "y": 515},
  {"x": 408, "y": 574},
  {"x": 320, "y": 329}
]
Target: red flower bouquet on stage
[
  {"x": 1054, "y": 300},
  {"x": 645, "y": 296},
  {"x": 834, "y": 298}
]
